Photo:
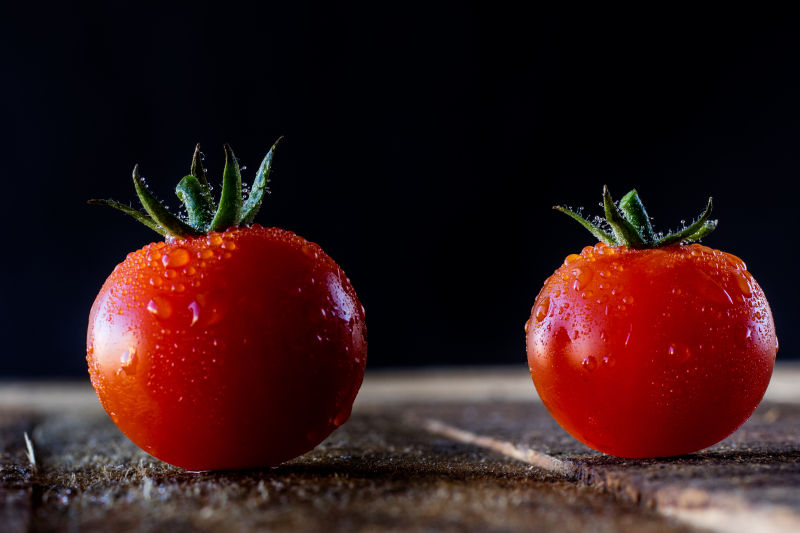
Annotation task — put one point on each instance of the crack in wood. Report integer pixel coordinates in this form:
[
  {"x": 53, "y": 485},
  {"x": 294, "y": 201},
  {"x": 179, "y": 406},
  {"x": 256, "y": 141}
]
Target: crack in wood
[{"x": 721, "y": 511}]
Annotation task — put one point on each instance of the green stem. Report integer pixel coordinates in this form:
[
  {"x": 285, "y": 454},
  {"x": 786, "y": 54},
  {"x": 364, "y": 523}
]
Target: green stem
[
  {"x": 693, "y": 232},
  {"x": 172, "y": 224},
  {"x": 634, "y": 212},
  {"x": 135, "y": 213},
  {"x": 197, "y": 169},
  {"x": 599, "y": 234},
  {"x": 199, "y": 206},
  {"x": 260, "y": 183},
  {"x": 625, "y": 233},
  {"x": 229, "y": 212}
]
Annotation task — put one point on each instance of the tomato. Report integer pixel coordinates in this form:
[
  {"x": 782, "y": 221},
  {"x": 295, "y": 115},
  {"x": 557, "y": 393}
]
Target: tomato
[
  {"x": 226, "y": 350},
  {"x": 651, "y": 351}
]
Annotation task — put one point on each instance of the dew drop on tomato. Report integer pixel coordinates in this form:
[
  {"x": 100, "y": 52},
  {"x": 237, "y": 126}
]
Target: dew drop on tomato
[
  {"x": 128, "y": 360},
  {"x": 589, "y": 363},
  {"x": 743, "y": 284},
  {"x": 176, "y": 258},
  {"x": 542, "y": 308},
  {"x": 194, "y": 307},
  {"x": 679, "y": 352},
  {"x": 310, "y": 250},
  {"x": 159, "y": 307},
  {"x": 582, "y": 277}
]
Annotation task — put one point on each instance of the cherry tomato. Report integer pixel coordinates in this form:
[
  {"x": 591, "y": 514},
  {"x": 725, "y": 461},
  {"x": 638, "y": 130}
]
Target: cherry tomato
[
  {"x": 650, "y": 352},
  {"x": 226, "y": 350}
]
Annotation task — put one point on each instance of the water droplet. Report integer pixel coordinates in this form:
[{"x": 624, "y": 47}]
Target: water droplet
[
  {"x": 129, "y": 360},
  {"x": 179, "y": 287},
  {"x": 541, "y": 309},
  {"x": 160, "y": 307},
  {"x": 170, "y": 274},
  {"x": 153, "y": 255},
  {"x": 742, "y": 282},
  {"x": 215, "y": 239},
  {"x": 627, "y": 299},
  {"x": 708, "y": 288},
  {"x": 156, "y": 282},
  {"x": 589, "y": 363},
  {"x": 582, "y": 277},
  {"x": 679, "y": 352},
  {"x": 194, "y": 307},
  {"x": 571, "y": 258},
  {"x": 176, "y": 258},
  {"x": 527, "y": 327},
  {"x": 310, "y": 250},
  {"x": 205, "y": 253},
  {"x": 228, "y": 245},
  {"x": 608, "y": 361}
]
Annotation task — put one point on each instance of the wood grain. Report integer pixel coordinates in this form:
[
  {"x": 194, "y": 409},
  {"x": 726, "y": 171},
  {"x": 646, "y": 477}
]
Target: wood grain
[{"x": 449, "y": 460}]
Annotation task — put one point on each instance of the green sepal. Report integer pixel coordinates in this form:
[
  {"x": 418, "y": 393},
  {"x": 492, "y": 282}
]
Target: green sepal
[
  {"x": 229, "y": 211},
  {"x": 624, "y": 232},
  {"x": 135, "y": 213},
  {"x": 260, "y": 184},
  {"x": 634, "y": 212},
  {"x": 197, "y": 169},
  {"x": 172, "y": 225},
  {"x": 599, "y": 234},
  {"x": 631, "y": 225},
  {"x": 199, "y": 206},
  {"x": 694, "y": 231}
]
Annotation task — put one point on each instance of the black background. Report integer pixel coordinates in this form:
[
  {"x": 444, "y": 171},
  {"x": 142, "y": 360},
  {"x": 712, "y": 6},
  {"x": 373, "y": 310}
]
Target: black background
[{"x": 424, "y": 146}]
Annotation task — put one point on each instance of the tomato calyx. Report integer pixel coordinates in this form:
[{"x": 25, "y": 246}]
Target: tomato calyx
[
  {"x": 627, "y": 224},
  {"x": 195, "y": 193}
]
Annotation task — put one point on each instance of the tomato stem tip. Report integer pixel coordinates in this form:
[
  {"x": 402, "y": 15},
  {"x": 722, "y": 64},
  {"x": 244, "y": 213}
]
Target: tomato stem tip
[
  {"x": 195, "y": 193},
  {"x": 630, "y": 224}
]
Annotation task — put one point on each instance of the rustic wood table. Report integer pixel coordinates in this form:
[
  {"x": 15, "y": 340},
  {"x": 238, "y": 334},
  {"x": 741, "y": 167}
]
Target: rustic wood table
[{"x": 425, "y": 450}]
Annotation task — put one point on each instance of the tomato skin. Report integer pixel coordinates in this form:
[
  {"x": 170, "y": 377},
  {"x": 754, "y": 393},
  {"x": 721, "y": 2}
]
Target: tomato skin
[
  {"x": 651, "y": 353},
  {"x": 233, "y": 350}
]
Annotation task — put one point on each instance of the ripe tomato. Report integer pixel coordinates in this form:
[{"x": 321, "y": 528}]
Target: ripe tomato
[
  {"x": 232, "y": 349},
  {"x": 650, "y": 352}
]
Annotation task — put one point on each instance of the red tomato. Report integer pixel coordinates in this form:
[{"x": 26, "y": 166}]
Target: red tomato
[
  {"x": 225, "y": 349},
  {"x": 237, "y": 349},
  {"x": 651, "y": 352}
]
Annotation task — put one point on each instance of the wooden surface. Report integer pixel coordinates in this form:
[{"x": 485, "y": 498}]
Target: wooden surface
[{"x": 435, "y": 450}]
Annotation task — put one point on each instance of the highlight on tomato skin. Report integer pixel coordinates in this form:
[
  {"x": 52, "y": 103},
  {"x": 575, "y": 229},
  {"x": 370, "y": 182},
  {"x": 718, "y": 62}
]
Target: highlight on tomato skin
[
  {"x": 228, "y": 349},
  {"x": 651, "y": 351}
]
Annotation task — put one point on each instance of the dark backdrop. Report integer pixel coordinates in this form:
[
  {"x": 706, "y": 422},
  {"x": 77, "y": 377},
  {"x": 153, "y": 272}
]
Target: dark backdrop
[{"x": 424, "y": 146}]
